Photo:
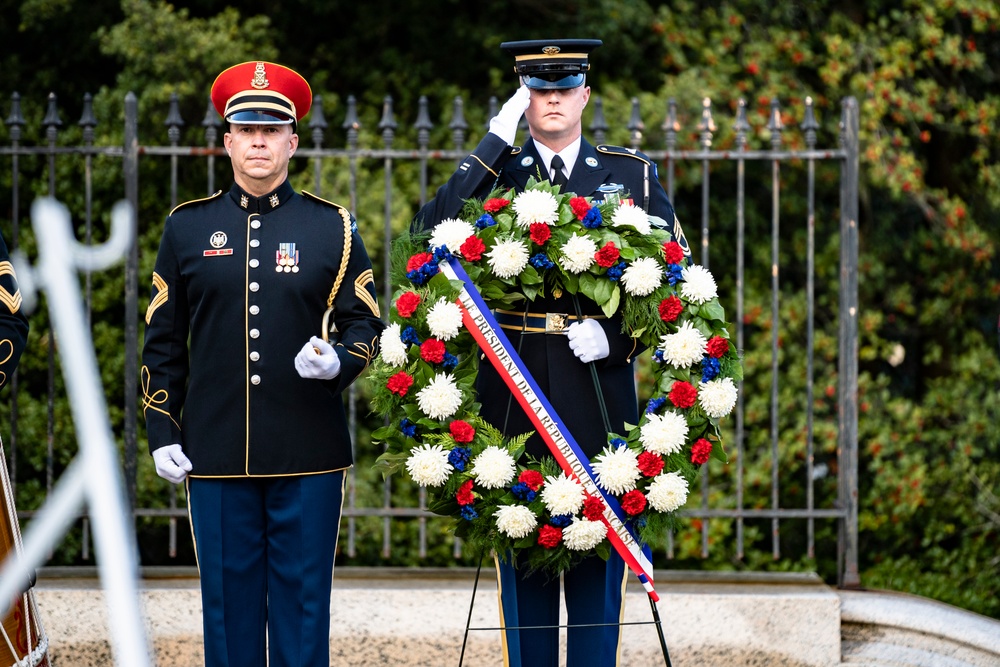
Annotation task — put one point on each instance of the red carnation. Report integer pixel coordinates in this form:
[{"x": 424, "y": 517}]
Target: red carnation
[
  {"x": 400, "y": 383},
  {"x": 670, "y": 308},
  {"x": 650, "y": 464},
  {"x": 672, "y": 252},
  {"x": 580, "y": 206},
  {"x": 472, "y": 249},
  {"x": 532, "y": 478},
  {"x": 607, "y": 256},
  {"x": 407, "y": 303},
  {"x": 464, "y": 494},
  {"x": 540, "y": 232},
  {"x": 432, "y": 351},
  {"x": 593, "y": 508},
  {"x": 462, "y": 431},
  {"x": 549, "y": 536},
  {"x": 418, "y": 260},
  {"x": 717, "y": 346},
  {"x": 683, "y": 394},
  {"x": 494, "y": 205},
  {"x": 700, "y": 451},
  {"x": 633, "y": 502}
]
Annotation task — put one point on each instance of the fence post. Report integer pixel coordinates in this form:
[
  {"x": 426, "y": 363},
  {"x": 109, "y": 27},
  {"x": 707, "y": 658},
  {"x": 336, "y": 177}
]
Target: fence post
[{"x": 130, "y": 157}]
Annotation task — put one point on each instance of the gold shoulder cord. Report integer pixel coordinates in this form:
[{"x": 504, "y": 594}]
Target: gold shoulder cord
[{"x": 329, "y": 324}]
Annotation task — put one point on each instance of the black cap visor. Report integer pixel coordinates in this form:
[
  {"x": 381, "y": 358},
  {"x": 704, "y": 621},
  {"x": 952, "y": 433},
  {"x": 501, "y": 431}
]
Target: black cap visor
[
  {"x": 554, "y": 80},
  {"x": 257, "y": 117}
]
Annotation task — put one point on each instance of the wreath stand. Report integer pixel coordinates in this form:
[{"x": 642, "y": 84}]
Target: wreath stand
[{"x": 652, "y": 603}]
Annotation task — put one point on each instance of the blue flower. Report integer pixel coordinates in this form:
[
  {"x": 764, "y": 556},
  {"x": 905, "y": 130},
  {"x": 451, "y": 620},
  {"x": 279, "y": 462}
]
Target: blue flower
[
  {"x": 484, "y": 221},
  {"x": 409, "y": 336},
  {"x": 450, "y": 361},
  {"x": 408, "y": 428},
  {"x": 522, "y": 491},
  {"x": 655, "y": 403},
  {"x": 658, "y": 356},
  {"x": 561, "y": 520},
  {"x": 469, "y": 512},
  {"x": 441, "y": 253},
  {"x": 618, "y": 442},
  {"x": 541, "y": 261},
  {"x": 674, "y": 273},
  {"x": 616, "y": 271},
  {"x": 459, "y": 458},
  {"x": 593, "y": 218},
  {"x": 709, "y": 368}
]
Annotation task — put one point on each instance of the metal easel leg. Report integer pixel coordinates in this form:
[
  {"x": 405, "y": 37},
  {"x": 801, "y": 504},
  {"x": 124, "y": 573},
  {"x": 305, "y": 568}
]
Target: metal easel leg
[
  {"x": 472, "y": 603},
  {"x": 659, "y": 632}
]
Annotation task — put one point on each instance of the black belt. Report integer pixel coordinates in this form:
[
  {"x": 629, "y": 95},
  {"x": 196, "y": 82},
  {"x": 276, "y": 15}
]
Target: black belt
[{"x": 551, "y": 323}]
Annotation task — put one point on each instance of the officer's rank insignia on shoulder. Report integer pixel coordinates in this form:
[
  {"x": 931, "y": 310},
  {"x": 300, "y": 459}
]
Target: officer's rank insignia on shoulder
[
  {"x": 340, "y": 209},
  {"x": 194, "y": 201},
  {"x": 621, "y": 150}
]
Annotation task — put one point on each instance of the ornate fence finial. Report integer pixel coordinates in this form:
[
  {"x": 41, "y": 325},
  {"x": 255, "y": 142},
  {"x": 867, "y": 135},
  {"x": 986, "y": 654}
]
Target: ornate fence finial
[
  {"x": 211, "y": 123},
  {"x": 174, "y": 122},
  {"x": 599, "y": 125},
  {"x": 774, "y": 124},
  {"x": 52, "y": 121},
  {"x": 388, "y": 123},
  {"x": 670, "y": 126},
  {"x": 741, "y": 126},
  {"x": 493, "y": 110},
  {"x": 423, "y": 125},
  {"x": 635, "y": 124},
  {"x": 317, "y": 121},
  {"x": 809, "y": 124},
  {"x": 351, "y": 122},
  {"x": 87, "y": 120},
  {"x": 458, "y": 125},
  {"x": 707, "y": 124}
]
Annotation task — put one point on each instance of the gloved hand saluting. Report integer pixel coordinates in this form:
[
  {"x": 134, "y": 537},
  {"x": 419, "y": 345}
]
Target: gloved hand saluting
[
  {"x": 504, "y": 124},
  {"x": 321, "y": 365},
  {"x": 171, "y": 463},
  {"x": 588, "y": 340}
]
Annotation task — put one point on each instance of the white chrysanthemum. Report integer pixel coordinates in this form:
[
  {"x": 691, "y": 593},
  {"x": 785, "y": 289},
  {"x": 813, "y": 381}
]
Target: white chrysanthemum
[
  {"x": 578, "y": 254},
  {"x": 664, "y": 434},
  {"x": 642, "y": 276},
  {"x": 515, "y": 521},
  {"x": 508, "y": 258},
  {"x": 562, "y": 495},
  {"x": 684, "y": 348},
  {"x": 583, "y": 535},
  {"x": 428, "y": 465},
  {"x": 699, "y": 285},
  {"x": 633, "y": 216},
  {"x": 444, "y": 319},
  {"x": 493, "y": 468},
  {"x": 617, "y": 469},
  {"x": 452, "y": 233},
  {"x": 536, "y": 206},
  {"x": 391, "y": 348},
  {"x": 718, "y": 397},
  {"x": 667, "y": 492},
  {"x": 440, "y": 398}
]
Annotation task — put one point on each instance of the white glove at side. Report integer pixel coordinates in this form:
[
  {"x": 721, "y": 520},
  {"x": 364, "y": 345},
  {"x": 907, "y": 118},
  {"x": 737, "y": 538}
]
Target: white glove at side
[
  {"x": 171, "y": 463},
  {"x": 588, "y": 340},
  {"x": 311, "y": 365},
  {"x": 504, "y": 124}
]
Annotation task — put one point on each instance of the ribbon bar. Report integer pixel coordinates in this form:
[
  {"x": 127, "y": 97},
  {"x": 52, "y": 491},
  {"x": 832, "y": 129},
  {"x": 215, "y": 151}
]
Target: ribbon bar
[{"x": 497, "y": 347}]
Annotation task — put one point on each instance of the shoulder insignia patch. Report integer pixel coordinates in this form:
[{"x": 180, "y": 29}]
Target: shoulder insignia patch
[
  {"x": 193, "y": 202},
  {"x": 621, "y": 150},
  {"x": 309, "y": 195},
  {"x": 515, "y": 150}
]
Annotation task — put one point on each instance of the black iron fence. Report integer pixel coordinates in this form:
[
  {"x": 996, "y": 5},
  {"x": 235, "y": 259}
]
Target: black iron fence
[{"x": 740, "y": 181}]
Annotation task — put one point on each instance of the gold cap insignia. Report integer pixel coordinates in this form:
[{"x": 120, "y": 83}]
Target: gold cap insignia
[
  {"x": 259, "y": 78},
  {"x": 551, "y": 50}
]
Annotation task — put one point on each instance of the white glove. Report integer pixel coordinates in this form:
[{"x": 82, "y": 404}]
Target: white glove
[
  {"x": 504, "y": 124},
  {"x": 588, "y": 340},
  {"x": 171, "y": 463},
  {"x": 321, "y": 365}
]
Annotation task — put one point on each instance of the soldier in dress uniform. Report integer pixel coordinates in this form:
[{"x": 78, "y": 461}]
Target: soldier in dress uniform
[
  {"x": 13, "y": 323},
  {"x": 552, "y": 96},
  {"x": 263, "y": 312}
]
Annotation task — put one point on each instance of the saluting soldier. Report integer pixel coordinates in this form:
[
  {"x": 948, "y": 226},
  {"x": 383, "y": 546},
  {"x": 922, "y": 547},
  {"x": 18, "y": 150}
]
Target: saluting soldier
[
  {"x": 552, "y": 96},
  {"x": 263, "y": 312}
]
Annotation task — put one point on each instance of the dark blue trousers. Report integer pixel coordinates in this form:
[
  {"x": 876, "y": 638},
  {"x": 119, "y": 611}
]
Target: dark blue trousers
[
  {"x": 265, "y": 550},
  {"x": 594, "y": 592}
]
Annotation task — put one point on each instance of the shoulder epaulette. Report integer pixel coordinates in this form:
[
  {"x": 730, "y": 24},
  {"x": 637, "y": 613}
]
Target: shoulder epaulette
[
  {"x": 195, "y": 201},
  {"x": 340, "y": 209},
  {"x": 621, "y": 150}
]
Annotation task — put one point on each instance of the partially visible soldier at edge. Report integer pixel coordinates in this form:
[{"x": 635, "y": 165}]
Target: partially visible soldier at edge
[
  {"x": 243, "y": 394},
  {"x": 552, "y": 97},
  {"x": 13, "y": 323}
]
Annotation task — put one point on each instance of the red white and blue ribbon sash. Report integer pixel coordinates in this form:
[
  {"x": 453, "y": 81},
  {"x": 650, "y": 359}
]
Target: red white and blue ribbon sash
[{"x": 498, "y": 349}]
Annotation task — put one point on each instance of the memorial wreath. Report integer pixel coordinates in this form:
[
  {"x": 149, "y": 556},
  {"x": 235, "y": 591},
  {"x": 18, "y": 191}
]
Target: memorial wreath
[{"x": 515, "y": 247}]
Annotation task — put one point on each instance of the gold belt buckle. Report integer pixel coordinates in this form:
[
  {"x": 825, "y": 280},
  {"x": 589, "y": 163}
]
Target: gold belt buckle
[{"x": 555, "y": 322}]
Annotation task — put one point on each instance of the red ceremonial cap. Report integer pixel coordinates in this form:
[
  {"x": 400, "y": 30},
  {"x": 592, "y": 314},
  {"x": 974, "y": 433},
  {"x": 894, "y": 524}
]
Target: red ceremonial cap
[{"x": 261, "y": 93}]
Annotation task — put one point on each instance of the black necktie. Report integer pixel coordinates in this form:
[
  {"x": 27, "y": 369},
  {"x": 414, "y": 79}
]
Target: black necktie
[{"x": 556, "y": 174}]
